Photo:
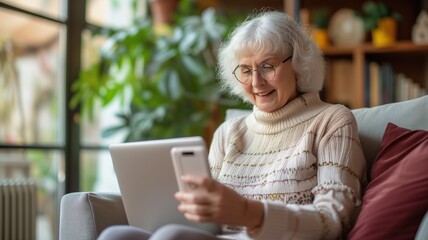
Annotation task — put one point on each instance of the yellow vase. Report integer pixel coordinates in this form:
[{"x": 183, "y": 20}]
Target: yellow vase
[
  {"x": 320, "y": 37},
  {"x": 386, "y": 32}
]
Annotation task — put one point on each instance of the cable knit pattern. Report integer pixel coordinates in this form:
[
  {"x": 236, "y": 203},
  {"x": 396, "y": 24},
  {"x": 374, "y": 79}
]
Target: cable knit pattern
[{"x": 304, "y": 161}]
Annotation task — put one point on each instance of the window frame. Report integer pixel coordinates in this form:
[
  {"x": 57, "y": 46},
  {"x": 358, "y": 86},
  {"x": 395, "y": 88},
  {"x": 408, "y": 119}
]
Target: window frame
[{"x": 74, "y": 24}]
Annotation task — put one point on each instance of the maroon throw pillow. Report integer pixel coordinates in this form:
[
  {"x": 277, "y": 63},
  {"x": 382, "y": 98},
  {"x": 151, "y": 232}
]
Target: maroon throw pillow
[{"x": 396, "y": 199}]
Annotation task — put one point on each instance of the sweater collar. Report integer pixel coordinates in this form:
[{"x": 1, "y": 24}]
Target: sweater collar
[{"x": 300, "y": 109}]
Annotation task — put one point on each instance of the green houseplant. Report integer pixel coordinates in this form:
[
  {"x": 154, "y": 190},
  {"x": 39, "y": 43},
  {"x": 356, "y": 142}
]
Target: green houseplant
[
  {"x": 166, "y": 83},
  {"x": 381, "y": 21},
  {"x": 320, "y": 17}
]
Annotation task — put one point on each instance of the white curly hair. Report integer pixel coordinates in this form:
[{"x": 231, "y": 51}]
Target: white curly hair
[{"x": 276, "y": 33}]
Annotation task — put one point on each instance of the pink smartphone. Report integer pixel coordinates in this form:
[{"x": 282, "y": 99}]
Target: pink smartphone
[{"x": 190, "y": 160}]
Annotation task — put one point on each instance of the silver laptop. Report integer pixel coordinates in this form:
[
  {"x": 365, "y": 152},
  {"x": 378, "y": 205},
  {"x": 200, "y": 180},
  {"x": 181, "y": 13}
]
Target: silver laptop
[{"x": 147, "y": 182}]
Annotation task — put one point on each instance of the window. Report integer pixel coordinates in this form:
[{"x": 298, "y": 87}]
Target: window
[
  {"x": 41, "y": 52},
  {"x": 32, "y": 87}
]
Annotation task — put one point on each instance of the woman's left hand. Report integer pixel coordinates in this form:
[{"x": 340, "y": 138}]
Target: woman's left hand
[{"x": 211, "y": 201}]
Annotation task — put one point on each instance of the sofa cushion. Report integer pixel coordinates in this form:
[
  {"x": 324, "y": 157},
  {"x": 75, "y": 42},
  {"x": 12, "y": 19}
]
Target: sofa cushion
[
  {"x": 411, "y": 114},
  {"x": 396, "y": 199}
]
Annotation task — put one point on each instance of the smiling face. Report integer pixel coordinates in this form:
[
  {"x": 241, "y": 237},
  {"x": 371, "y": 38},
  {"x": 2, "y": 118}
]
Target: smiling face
[{"x": 270, "y": 96}]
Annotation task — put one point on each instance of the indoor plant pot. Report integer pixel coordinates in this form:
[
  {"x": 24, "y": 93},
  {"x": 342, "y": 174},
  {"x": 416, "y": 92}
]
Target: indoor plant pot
[
  {"x": 385, "y": 34},
  {"x": 381, "y": 21},
  {"x": 319, "y": 30},
  {"x": 162, "y": 10}
]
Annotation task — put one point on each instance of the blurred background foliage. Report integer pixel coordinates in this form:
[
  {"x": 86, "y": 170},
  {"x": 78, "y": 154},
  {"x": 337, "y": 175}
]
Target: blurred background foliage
[{"x": 165, "y": 81}]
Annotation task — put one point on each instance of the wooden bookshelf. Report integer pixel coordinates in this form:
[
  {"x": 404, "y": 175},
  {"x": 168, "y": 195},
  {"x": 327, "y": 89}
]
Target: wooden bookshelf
[
  {"x": 368, "y": 48},
  {"x": 357, "y": 56},
  {"x": 347, "y": 67}
]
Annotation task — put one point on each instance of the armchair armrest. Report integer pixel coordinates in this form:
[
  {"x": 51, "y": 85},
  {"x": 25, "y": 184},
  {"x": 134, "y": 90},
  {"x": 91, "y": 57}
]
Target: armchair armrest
[{"x": 85, "y": 215}]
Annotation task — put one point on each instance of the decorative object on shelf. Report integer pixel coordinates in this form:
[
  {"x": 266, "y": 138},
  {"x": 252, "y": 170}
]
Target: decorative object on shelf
[
  {"x": 381, "y": 21},
  {"x": 162, "y": 12},
  {"x": 420, "y": 29},
  {"x": 386, "y": 32},
  {"x": 319, "y": 30},
  {"x": 345, "y": 28}
]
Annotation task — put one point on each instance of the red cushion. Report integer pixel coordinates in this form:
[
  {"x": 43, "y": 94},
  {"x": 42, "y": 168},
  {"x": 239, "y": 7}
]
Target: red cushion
[{"x": 396, "y": 199}]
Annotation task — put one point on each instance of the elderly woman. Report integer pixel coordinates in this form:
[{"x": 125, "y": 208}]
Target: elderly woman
[{"x": 293, "y": 168}]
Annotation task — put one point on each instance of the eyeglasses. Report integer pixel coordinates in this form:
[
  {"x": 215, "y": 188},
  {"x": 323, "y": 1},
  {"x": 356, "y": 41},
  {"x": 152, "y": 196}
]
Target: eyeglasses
[{"x": 244, "y": 74}]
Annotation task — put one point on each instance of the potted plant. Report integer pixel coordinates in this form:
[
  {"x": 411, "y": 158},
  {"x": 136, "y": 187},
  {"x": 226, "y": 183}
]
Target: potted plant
[
  {"x": 162, "y": 12},
  {"x": 166, "y": 83},
  {"x": 381, "y": 21},
  {"x": 320, "y": 25}
]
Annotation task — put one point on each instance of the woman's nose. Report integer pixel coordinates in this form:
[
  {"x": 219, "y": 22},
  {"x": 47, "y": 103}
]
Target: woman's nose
[{"x": 257, "y": 79}]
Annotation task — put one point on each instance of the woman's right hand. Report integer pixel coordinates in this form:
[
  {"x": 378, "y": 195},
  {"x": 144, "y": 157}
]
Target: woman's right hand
[{"x": 215, "y": 202}]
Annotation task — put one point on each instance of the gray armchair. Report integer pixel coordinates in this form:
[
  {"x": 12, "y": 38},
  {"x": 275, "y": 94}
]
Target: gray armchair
[{"x": 84, "y": 215}]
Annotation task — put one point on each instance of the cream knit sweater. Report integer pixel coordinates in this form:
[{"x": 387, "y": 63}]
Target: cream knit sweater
[{"x": 305, "y": 163}]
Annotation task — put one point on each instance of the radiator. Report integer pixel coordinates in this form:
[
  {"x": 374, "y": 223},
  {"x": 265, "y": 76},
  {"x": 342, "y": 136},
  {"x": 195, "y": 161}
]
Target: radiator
[{"x": 18, "y": 209}]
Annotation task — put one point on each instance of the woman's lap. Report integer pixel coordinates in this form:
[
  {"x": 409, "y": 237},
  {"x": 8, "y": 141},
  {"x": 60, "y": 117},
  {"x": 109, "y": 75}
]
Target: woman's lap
[
  {"x": 122, "y": 232},
  {"x": 167, "y": 232}
]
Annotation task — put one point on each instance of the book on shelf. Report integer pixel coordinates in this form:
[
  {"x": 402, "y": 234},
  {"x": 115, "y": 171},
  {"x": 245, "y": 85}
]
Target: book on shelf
[
  {"x": 387, "y": 90},
  {"x": 383, "y": 85},
  {"x": 407, "y": 89},
  {"x": 374, "y": 83}
]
